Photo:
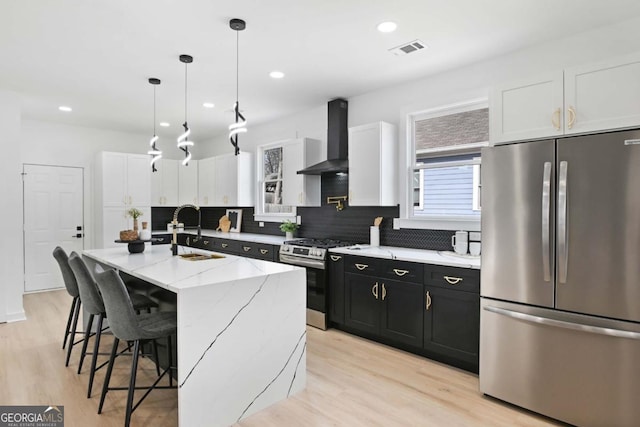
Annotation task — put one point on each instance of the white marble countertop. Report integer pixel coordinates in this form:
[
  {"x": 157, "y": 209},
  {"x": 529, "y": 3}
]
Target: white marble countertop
[
  {"x": 247, "y": 237},
  {"x": 156, "y": 265},
  {"x": 416, "y": 255}
]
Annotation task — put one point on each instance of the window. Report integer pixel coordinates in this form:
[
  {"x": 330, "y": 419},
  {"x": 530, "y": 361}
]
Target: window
[
  {"x": 273, "y": 204},
  {"x": 444, "y": 167}
]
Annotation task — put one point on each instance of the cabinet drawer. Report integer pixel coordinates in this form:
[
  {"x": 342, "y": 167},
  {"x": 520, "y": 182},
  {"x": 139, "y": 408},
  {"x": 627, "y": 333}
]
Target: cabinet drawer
[
  {"x": 162, "y": 239},
  {"x": 257, "y": 250},
  {"x": 403, "y": 271},
  {"x": 361, "y": 265},
  {"x": 462, "y": 279},
  {"x": 226, "y": 246}
]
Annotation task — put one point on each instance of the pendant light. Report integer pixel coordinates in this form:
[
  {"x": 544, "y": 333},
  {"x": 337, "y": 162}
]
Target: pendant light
[
  {"x": 153, "y": 151},
  {"x": 240, "y": 126},
  {"x": 183, "y": 140}
]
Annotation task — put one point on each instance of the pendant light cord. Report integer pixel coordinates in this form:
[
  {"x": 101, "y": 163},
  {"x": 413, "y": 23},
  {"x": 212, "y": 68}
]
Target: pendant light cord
[
  {"x": 185, "y": 93},
  {"x": 237, "y": 64},
  {"x": 154, "y": 110}
]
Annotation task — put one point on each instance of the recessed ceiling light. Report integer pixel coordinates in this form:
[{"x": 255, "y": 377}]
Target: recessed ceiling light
[
  {"x": 276, "y": 74},
  {"x": 164, "y": 124},
  {"x": 64, "y": 108},
  {"x": 387, "y": 27},
  {"x": 208, "y": 105}
]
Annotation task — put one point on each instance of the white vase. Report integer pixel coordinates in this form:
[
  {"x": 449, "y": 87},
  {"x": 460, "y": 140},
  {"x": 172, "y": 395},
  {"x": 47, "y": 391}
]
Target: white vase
[
  {"x": 145, "y": 234},
  {"x": 289, "y": 235}
]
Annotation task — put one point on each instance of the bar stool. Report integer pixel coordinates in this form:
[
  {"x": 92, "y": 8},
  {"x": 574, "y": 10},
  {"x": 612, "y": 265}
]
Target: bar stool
[
  {"x": 93, "y": 304},
  {"x": 72, "y": 288},
  {"x": 128, "y": 326}
]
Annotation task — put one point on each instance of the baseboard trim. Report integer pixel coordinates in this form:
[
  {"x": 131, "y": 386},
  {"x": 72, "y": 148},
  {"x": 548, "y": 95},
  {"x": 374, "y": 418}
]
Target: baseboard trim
[{"x": 16, "y": 317}]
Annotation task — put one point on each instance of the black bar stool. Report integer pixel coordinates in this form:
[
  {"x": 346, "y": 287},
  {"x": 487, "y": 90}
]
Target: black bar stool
[
  {"x": 93, "y": 304},
  {"x": 128, "y": 326}
]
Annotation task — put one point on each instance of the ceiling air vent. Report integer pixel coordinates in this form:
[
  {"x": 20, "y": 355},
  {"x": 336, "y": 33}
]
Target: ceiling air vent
[{"x": 407, "y": 48}]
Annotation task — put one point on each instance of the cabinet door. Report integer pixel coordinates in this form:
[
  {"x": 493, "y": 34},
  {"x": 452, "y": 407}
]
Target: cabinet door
[
  {"x": 527, "y": 109},
  {"x": 226, "y": 180},
  {"x": 603, "y": 96},
  {"x": 188, "y": 183},
  {"x": 362, "y": 305},
  {"x": 169, "y": 181},
  {"x": 114, "y": 179},
  {"x": 364, "y": 165},
  {"x": 138, "y": 180},
  {"x": 401, "y": 311},
  {"x": 452, "y": 323},
  {"x": 207, "y": 181},
  {"x": 336, "y": 288}
]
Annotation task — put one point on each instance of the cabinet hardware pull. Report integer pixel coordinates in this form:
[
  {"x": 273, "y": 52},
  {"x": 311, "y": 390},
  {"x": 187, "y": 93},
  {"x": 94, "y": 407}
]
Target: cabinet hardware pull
[
  {"x": 335, "y": 257},
  {"x": 453, "y": 280},
  {"x": 384, "y": 292},
  {"x": 555, "y": 118},
  {"x": 224, "y": 245},
  {"x": 264, "y": 251},
  {"x": 124, "y": 200},
  {"x": 246, "y": 248},
  {"x": 206, "y": 242},
  {"x": 428, "y": 301},
  {"x": 130, "y": 200},
  {"x": 188, "y": 241},
  {"x": 400, "y": 272},
  {"x": 572, "y": 116},
  {"x": 361, "y": 266},
  {"x": 374, "y": 290}
]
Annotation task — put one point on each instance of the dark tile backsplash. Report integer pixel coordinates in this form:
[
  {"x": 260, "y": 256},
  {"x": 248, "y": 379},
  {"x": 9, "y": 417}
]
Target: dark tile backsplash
[{"x": 351, "y": 224}]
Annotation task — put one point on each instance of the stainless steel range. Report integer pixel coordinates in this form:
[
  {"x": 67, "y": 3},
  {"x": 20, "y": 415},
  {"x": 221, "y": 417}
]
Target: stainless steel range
[{"x": 312, "y": 254}]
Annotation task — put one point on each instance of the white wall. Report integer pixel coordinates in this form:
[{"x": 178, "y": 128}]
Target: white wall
[{"x": 11, "y": 258}]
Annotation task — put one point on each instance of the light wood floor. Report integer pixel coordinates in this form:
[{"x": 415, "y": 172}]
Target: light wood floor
[{"x": 351, "y": 382}]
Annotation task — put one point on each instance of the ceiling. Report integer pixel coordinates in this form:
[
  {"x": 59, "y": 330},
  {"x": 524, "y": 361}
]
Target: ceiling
[{"x": 96, "y": 56}]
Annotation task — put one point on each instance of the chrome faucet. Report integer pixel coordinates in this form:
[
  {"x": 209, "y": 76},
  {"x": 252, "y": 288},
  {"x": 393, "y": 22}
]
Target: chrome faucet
[{"x": 174, "y": 242}]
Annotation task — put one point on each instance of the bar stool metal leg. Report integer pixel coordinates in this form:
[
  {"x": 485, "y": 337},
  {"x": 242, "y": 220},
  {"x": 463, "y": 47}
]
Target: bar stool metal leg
[
  {"x": 132, "y": 382},
  {"x": 94, "y": 357},
  {"x": 107, "y": 378},
  {"x": 76, "y": 315},
  {"x": 66, "y": 330},
  {"x": 87, "y": 334}
]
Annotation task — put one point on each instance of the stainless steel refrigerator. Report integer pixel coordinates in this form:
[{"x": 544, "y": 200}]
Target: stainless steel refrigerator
[{"x": 560, "y": 277}]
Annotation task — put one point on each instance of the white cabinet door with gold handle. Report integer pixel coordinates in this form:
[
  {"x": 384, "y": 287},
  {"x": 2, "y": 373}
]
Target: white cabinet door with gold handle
[
  {"x": 527, "y": 108},
  {"x": 603, "y": 95}
]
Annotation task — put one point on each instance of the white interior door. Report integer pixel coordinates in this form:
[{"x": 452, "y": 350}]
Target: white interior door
[{"x": 53, "y": 211}]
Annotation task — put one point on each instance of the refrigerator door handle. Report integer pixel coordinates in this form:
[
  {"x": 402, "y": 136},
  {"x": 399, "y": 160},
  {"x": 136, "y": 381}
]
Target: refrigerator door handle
[
  {"x": 563, "y": 238},
  {"x": 562, "y": 324},
  {"x": 546, "y": 224}
]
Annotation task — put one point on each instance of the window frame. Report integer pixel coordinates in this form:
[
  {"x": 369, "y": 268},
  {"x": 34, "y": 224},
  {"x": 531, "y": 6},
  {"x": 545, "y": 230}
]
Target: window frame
[
  {"x": 410, "y": 165},
  {"x": 259, "y": 214}
]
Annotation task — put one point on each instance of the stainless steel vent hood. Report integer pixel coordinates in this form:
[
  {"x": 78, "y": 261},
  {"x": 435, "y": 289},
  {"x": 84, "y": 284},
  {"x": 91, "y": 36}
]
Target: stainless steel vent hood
[{"x": 337, "y": 141}]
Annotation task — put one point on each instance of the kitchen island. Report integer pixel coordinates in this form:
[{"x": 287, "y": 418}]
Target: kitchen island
[{"x": 241, "y": 329}]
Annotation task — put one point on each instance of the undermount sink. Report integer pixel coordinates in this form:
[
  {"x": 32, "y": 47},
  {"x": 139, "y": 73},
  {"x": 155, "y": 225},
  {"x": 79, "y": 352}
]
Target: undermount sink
[{"x": 199, "y": 257}]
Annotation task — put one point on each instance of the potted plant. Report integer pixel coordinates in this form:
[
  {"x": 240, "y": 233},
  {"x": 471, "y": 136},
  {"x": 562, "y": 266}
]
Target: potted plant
[
  {"x": 289, "y": 227},
  {"x": 135, "y": 214}
]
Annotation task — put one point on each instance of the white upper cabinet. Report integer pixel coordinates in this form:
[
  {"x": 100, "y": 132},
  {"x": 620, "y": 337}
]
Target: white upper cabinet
[
  {"x": 207, "y": 181},
  {"x": 300, "y": 190},
  {"x": 528, "y": 108},
  {"x": 125, "y": 179},
  {"x": 372, "y": 165},
  {"x": 587, "y": 98},
  {"x": 164, "y": 183},
  {"x": 188, "y": 183},
  {"x": 603, "y": 96},
  {"x": 234, "y": 177}
]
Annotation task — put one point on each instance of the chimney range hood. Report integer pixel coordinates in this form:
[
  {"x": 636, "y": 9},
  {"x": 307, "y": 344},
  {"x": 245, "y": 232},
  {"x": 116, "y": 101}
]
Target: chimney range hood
[{"x": 337, "y": 141}]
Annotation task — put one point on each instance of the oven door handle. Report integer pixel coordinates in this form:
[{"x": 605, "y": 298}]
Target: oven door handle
[{"x": 288, "y": 259}]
